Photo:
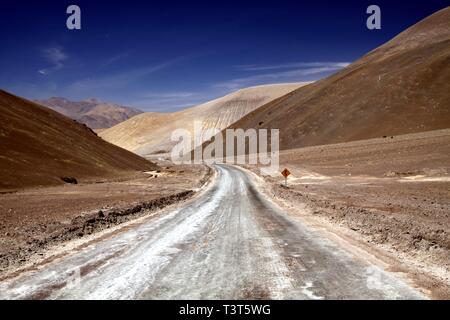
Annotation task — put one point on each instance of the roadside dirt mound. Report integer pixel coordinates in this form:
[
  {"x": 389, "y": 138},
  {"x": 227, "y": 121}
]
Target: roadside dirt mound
[
  {"x": 39, "y": 146},
  {"x": 149, "y": 133},
  {"x": 402, "y": 87}
]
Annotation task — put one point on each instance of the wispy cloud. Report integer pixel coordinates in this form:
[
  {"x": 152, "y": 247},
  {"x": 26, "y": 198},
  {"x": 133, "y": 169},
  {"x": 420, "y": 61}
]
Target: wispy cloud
[
  {"x": 117, "y": 80},
  {"x": 166, "y": 101},
  {"x": 117, "y": 57},
  {"x": 55, "y": 56},
  {"x": 165, "y": 95},
  {"x": 291, "y": 72},
  {"x": 294, "y": 65}
]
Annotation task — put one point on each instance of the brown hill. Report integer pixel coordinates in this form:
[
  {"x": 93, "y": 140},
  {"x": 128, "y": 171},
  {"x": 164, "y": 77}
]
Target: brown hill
[
  {"x": 92, "y": 112},
  {"x": 150, "y": 133},
  {"x": 402, "y": 87},
  {"x": 39, "y": 146}
]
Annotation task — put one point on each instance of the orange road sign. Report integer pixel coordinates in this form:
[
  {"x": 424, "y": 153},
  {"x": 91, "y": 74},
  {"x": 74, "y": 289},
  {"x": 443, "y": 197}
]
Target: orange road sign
[{"x": 286, "y": 173}]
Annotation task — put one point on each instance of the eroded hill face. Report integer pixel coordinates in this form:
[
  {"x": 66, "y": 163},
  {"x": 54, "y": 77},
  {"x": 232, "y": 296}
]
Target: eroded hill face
[
  {"x": 39, "y": 146},
  {"x": 92, "y": 112},
  {"x": 402, "y": 87},
  {"x": 150, "y": 133}
]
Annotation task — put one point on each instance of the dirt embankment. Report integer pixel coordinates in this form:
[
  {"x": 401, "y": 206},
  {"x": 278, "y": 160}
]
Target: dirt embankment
[
  {"x": 395, "y": 193},
  {"x": 34, "y": 221}
]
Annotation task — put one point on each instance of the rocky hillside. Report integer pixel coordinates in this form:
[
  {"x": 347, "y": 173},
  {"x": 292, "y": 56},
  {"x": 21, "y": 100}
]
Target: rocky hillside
[
  {"x": 402, "y": 87},
  {"x": 39, "y": 146}
]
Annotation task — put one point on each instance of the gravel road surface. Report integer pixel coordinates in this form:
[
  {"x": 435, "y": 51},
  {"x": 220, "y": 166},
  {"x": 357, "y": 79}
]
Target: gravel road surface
[{"x": 229, "y": 243}]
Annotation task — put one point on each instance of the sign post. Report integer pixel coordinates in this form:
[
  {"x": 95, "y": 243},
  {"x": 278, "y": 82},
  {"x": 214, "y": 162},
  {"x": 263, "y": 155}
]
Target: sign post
[{"x": 285, "y": 173}]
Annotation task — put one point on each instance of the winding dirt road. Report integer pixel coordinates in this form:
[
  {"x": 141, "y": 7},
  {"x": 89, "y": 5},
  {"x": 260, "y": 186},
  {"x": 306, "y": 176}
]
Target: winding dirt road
[{"x": 228, "y": 243}]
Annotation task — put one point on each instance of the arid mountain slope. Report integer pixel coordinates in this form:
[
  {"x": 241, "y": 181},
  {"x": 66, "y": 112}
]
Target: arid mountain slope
[
  {"x": 150, "y": 133},
  {"x": 92, "y": 112},
  {"x": 39, "y": 146},
  {"x": 402, "y": 87}
]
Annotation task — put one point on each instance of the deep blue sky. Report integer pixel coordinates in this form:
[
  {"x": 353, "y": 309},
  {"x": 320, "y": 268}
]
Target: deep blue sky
[{"x": 165, "y": 55}]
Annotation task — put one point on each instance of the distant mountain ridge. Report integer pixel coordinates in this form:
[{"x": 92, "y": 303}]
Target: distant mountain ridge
[{"x": 94, "y": 113}]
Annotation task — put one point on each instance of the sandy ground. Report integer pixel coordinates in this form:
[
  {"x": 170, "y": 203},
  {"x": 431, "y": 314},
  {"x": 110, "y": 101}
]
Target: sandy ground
[
  {"x": 393, "y": 192},
  {"x": 34, "y": 220}
]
